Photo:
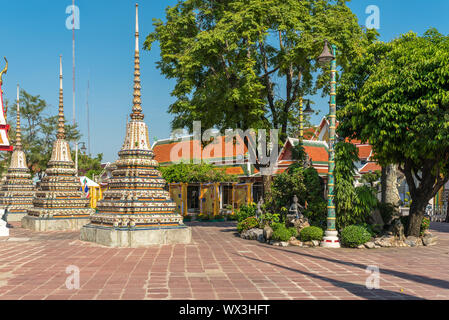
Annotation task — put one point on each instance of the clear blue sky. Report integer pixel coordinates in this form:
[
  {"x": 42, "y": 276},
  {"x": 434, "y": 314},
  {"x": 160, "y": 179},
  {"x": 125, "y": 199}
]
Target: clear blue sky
[{"x": 33, "y": 34}]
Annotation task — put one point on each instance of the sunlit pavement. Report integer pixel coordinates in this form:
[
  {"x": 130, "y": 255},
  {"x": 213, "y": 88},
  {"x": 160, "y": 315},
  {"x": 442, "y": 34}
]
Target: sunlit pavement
[{"x": 217, "y": 265}]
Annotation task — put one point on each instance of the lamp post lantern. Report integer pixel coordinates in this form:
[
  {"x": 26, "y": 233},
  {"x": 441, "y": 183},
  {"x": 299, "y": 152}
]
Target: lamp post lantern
[{"x": 330, "y": 240}]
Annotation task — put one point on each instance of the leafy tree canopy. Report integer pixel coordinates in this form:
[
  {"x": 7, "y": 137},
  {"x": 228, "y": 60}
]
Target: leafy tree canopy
[
  {"x": 190, "y": 173},
  {"x": 244, "y": 63},
  {"x": 38, "y": 133},
  {"x": 397, "y": 98}
]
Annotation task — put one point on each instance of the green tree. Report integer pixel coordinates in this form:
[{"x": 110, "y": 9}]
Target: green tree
[
  {"x": 353, "y": 204},
  {"x": 244, "y": 63},
  {"x": 38, "y": 131},
  {"x": 88, "y": 166},
  {"x": 188, "y": 172},
  {"x": 397, "y": 99}
]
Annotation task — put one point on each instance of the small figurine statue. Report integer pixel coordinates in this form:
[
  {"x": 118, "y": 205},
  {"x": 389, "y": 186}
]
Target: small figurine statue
[
  {"x": 259, "y": 211},
  {"x": 296, "y": 209}
]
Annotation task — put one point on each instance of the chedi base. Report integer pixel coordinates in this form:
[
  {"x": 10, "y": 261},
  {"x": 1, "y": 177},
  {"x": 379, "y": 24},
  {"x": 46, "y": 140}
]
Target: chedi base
[
  {"x": 49, "y": 224},
  {"x": 135, "y": 238}
]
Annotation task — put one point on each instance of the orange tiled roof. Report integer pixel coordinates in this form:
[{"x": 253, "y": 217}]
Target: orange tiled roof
[
  {"x": 370, "y": 167},
  {"x": 164, "y": 153},
  {"x": 235, "y": 170},
  {"x": 364, "y": 151}
]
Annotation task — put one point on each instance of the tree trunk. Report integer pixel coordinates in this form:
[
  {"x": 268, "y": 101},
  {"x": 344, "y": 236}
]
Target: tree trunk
[
  {"x": 390, "y": 193},
  {"x": 266, "y": 181},
  {"x": 447, "y": 211},
  {"x": 417, "y": 211}
]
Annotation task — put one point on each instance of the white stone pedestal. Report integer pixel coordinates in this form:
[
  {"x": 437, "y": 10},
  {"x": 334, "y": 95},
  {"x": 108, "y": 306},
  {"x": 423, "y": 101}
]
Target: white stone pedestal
[
  {"x": 4, "y": 230},
  {"x": 330, "y": 240}
]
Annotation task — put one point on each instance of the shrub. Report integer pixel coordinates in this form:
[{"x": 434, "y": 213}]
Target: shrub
[
  {"x": 282, "y": 233},
  {"x": 311, "y": 233},
  {"x": 269, "y": 218},
  {"x": 425, "y": 224},
  {"x": 353, "y": 236},
  {"x": 248, "y": 223},
  {"x": 246, "y": 211}
]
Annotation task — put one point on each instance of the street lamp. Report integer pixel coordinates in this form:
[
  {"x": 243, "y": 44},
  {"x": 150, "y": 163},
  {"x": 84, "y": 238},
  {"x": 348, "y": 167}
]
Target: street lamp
[
  {"x": 302, "y": 112},
  {"x": 330, "y": 240}
]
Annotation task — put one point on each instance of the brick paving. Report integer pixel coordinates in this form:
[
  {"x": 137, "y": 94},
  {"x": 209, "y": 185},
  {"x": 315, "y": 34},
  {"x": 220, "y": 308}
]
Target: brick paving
[{"x": 217, "y": 265}]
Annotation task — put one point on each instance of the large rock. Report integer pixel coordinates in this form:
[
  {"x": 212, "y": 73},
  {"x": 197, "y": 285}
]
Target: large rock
[
  {"x": 370, "y": 245},
  {"x": 375, "y": 218},
  {"x": 299, "y": 224},
  {"x": 295, "y": 243},
  {"x": 267, "y": 232},
  {"x": 253, "y": 234},
  {"x": 385, "y": 241},
  {"x": 413, "y": 241},
  {"x": 429, "y": 240}
]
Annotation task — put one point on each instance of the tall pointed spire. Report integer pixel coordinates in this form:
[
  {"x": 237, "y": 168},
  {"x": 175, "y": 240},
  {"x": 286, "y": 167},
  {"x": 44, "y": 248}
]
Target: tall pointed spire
[
  {"x": 18, "y": 132},
  {"x": 61, "y": 121},
  {"x": 136, "y": 210},
  {"x": 137, "y": 108}
]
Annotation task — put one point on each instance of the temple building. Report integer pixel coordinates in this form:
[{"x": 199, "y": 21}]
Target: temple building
[
  {"x": 4, "y": 127},
  {"x": 17, "y": 192},
  {"x": 136, "y": 210},
  {"x": 59, "y": 203}
]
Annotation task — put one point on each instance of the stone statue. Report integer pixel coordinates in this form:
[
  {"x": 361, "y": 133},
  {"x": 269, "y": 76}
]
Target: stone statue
[
  {"x": 296, "y": 209},
  {"x": 259, "y": 211}
]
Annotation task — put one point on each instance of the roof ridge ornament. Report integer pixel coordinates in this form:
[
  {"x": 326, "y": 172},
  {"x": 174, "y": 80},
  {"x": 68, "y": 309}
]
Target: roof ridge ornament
[{"x": 4, "y": 71}]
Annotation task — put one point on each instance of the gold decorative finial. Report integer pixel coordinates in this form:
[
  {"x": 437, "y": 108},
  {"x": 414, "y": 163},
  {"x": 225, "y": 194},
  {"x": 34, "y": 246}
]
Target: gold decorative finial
[
  {"x": 61, "y": 121},
  {"x": 4, "y": 71},
  {"x": 18, "y": 132},
  {"x": 137, "y": 108}
]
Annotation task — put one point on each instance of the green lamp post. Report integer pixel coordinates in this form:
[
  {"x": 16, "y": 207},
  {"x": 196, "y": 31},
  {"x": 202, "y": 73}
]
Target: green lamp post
[{"x": 330, "y": 239}]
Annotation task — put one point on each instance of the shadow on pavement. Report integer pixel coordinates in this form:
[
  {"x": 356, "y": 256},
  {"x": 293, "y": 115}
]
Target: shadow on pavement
[
  {"x": 355, "y": 289},
  {"x": 421, "y": 279}
]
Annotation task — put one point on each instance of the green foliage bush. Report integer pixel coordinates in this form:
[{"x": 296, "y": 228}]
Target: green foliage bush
[
  {"x": 269, "y": 218},
  {"x": 282, "y": 233},
  {"x": 246, "y": 211},
  {"x": 353, "y": 204},
  {"x": 353, "y": 236},
  {"x": 311, "y": 233},
  {"x": 247, "y": 224},
  {"x": 306, "y": 185},
  {"x": 189, "y": 173}
]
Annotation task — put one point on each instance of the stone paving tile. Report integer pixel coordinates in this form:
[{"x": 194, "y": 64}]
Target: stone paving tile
[{"x": 217, "y": 265}]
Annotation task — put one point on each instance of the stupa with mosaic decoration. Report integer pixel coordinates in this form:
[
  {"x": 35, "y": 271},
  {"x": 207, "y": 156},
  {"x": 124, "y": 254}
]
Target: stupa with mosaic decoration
[
  {"x": 59, "y": 203},
  {"x": 17, "y": 192},
  {"x": 136, "y": 211}
]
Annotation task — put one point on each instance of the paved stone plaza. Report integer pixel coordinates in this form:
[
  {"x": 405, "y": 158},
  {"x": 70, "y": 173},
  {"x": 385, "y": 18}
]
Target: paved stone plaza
[{"x": 217, "y": 265}]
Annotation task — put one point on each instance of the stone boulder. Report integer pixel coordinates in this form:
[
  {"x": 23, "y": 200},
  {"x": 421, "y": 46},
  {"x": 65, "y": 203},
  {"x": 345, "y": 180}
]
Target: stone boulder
[
  {"x": 279, "y": 243},
  {"x": 267, "y": 232},
  {"x": 385, "y": 241},
  {"x": 370, "y": 245},
  {"x": 295, "y": 243},
  {"x": 253, "y": 234},
  {"x": 375, "y": 218},
  {"x": 299, "y": 224},
  {"x": 413, "y": 241},
  {"x": 429, "y": 240}
]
